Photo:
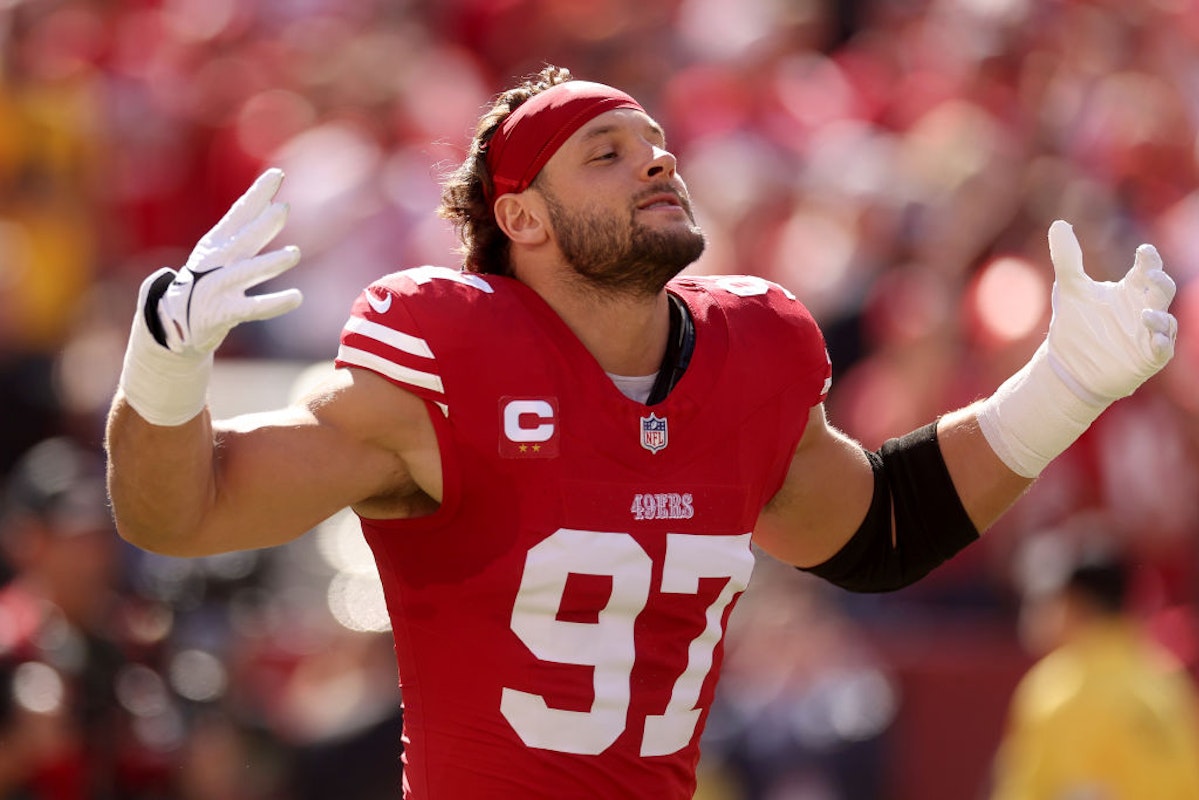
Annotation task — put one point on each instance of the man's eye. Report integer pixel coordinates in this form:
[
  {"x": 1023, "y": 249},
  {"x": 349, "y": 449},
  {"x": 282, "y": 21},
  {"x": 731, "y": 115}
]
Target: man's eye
[{"x": 608, "y": 156}]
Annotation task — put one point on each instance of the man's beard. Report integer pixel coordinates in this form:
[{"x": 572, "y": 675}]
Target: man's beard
[{"x": 623, "y": 256}]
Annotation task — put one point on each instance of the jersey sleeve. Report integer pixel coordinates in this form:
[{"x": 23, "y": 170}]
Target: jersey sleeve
[
  {"x": 811, "y": 361},
  {"x": 383, "y": 334},
  {"x": 777, "y": 336}
]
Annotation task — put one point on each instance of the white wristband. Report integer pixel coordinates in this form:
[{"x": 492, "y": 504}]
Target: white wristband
[
  {"x": 1034, "y": 416},
  {"x": 165, "y": 388}
]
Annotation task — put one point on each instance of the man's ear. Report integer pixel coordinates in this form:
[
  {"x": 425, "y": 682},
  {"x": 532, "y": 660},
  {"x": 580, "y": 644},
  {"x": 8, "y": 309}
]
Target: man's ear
[{"x": 521, "y": 218}]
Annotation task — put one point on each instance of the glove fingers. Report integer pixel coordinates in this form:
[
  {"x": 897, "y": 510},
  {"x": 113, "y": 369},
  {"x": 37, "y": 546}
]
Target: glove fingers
[
  {"x": 1159, "y": 321},
  {"x": 1163, "y": 329},
  {"x": 249, "y": 205},
  {"x": 266, "y": 306},
  {"x": 259, "y": 269},
  {"x": 1150, "y": 286},
  {"x": 1162, "y": 347},
  {"x": 1147, "y": 259},
  {"x": 1158, "y": 286},
  {"x": 1066, "y": 255},
  {"x": 256, "y": 233}
]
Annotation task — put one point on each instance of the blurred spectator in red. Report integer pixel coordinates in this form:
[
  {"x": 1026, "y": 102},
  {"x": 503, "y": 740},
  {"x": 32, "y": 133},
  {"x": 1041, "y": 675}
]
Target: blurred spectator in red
[{"x": 62, "y": 648}]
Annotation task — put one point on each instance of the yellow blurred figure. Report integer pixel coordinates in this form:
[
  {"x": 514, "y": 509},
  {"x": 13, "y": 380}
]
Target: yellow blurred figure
[
  {"x": 51, "y": 146},
  {"x": 1108, "y": 714}
]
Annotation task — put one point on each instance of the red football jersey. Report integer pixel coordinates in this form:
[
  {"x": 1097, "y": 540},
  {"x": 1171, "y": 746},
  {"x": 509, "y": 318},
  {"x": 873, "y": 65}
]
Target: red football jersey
[{"x": 558, "y": 621}]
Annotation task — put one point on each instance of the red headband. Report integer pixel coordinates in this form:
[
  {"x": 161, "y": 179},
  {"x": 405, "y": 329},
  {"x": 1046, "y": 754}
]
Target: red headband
[{"x": 531, "y": 134}]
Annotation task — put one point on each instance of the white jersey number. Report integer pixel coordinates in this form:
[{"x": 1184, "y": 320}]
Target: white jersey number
[{"x": 608, "y": 644}]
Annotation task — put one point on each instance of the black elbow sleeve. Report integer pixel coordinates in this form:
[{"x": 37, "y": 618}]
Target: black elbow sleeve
[{"x": 912, "y": 486}]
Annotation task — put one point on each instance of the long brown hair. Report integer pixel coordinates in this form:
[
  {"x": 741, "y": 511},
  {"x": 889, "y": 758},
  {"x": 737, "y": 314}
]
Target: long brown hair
[{"x": 463, "y": 191}]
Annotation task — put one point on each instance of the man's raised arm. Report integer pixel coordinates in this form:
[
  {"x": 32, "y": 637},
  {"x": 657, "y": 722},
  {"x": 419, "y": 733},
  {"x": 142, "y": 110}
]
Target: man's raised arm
[
  {"x": 180, "y": 484},
  {"x": 935, "y": 489}
]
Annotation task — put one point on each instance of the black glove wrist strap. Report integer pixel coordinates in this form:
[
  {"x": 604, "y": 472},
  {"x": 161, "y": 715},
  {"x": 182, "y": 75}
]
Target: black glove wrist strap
[{"x": 150, "y": 310}]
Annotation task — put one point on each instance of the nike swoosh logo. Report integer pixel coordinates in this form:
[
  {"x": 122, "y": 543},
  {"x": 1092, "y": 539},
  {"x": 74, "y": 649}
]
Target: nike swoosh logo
[{"x": 380, "y": 306}]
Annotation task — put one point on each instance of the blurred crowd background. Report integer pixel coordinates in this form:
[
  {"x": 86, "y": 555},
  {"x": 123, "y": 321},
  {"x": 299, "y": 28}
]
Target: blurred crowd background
[{"x": 895, "y": 163}]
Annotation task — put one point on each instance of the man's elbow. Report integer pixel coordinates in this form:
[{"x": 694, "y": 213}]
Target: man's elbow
[{"x": 162, "y": 539}]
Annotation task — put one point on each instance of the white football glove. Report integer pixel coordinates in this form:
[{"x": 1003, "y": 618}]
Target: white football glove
[
  {"x": 183, "y": 317},
  {"x": 1105, "y": 339}
]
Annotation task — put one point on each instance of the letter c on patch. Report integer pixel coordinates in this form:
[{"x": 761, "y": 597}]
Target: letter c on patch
[{"x": 518, "y": 426}]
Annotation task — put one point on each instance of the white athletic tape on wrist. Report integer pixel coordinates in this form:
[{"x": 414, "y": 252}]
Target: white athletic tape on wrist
[
  {"x": 163, "y": 387},
  {"x": 1034, "y": 416}
]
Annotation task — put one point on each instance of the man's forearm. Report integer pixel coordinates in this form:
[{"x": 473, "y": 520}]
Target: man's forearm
[
  {"x": 985, "y": 485},
  {"x": 160, "y": 441},
  {"x": 160, "y": 478}
]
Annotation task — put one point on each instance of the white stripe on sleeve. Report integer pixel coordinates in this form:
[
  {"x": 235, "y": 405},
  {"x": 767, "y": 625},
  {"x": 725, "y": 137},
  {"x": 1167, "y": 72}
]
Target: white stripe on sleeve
[
  {"x": 401, "y": 374},
  {"x": 389, "y": 337}
]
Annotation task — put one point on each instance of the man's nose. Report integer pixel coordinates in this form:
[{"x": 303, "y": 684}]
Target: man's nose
[{"x": 662, "y": 163}]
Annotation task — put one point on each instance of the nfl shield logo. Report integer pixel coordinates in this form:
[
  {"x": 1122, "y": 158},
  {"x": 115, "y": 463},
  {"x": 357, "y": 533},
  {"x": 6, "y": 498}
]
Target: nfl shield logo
[{"x": 653, "y": 432}]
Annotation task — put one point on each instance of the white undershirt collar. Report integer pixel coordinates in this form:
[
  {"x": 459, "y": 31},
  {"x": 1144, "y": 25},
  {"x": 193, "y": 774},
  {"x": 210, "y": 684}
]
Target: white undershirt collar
[{"x": 635, "y": 388}]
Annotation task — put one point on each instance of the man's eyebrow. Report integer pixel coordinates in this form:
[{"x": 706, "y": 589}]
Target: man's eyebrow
[
  {"x": 604, "y": 130},
  {"x": 597, "y": 132}
]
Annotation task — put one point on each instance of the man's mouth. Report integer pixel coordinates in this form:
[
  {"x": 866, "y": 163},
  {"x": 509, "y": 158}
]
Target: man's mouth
[{"x": 660, "y": 200}]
